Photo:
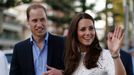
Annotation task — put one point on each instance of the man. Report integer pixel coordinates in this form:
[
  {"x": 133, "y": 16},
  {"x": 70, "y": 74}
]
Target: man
[
  {"x": 35, "y": 55},
  {"x": 3, "y": 64},
  {"x": 131, "y": 51},
  {"x": 127, "y": 62}
]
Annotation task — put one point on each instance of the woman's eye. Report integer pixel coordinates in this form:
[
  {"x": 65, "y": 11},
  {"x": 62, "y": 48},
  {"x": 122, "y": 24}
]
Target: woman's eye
[
  {"x": 91, "y": 28},
  {"x": 82, "y": 29}
]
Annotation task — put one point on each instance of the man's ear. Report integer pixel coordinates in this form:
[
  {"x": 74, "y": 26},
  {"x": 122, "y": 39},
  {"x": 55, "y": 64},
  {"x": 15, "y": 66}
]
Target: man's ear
[{"x": 27, "y": 25}]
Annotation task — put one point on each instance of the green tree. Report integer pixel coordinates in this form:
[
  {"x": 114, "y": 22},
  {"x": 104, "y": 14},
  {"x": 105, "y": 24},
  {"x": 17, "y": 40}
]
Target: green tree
[
  {"x": 63, "y": 6},
  {"x": 7, "y": 3}
]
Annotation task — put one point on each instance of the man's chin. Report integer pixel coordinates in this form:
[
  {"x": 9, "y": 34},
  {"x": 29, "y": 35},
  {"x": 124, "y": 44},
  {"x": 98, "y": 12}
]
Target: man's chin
[{"x": 41, "y": 34}]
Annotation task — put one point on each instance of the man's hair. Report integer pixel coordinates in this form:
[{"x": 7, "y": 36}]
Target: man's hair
[{"x": 34, "y": 6}]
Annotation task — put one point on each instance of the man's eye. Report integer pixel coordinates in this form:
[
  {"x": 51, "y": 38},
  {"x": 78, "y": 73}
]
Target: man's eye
[
  {"x": 42, "y": 19},
  {"x": 35, "y": 20}
]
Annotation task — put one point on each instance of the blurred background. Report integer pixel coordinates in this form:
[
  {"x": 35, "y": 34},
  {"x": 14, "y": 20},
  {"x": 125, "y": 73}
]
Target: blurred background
[{"x": 107, "y": 14}]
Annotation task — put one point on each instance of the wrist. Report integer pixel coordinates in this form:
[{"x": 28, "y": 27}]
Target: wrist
[
  {"x": 116, "y": 55},
  {"x": 62, "y": 72}
]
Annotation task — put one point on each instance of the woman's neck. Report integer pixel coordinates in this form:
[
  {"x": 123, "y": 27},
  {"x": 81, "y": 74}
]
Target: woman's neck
[{"x": 83, "y": 48}]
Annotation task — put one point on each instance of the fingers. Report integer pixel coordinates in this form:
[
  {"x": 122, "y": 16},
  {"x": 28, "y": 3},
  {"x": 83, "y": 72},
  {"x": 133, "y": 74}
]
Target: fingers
[
  {"x": 123, "y": 34},
  {"x": 52, "y": 71},
  {"x": 45, "y": 73},
  {"x": 110, "y": 34},
  {"x": 48, "y": 67},
  {"x": 118, "y": 32},
  {"x": 48, "y": 73},
  {"x": 115, "y": 32}
]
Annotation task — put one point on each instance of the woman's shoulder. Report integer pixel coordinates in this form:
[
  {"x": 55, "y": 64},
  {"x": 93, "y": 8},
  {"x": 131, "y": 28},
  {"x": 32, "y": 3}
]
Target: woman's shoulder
[{"x": 106, "y": 52}]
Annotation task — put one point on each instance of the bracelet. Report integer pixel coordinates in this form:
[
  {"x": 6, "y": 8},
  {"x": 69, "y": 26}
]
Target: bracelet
[
  {"x": 116, "y": 56},
  {"x": 62, "y": 72}
]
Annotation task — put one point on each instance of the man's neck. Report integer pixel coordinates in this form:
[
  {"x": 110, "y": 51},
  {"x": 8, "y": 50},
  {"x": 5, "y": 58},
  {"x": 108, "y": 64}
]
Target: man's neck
[{"x": 38, "y": 39}]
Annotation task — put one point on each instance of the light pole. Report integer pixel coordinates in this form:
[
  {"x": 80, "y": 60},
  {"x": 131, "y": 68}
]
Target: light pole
[
  {"x": 131, "y": 2},
  {"x": 126, "y": 18}
]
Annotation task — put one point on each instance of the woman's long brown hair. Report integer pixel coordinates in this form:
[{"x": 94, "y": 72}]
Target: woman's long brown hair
[{"x": 72, "y": 54}]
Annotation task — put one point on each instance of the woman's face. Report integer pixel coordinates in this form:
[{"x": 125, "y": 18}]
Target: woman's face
[{"x": 85, "y": 32}]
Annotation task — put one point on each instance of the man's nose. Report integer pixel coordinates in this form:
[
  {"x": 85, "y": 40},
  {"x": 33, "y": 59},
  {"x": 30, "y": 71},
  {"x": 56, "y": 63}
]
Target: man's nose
[{"x": 39, "y": 23}]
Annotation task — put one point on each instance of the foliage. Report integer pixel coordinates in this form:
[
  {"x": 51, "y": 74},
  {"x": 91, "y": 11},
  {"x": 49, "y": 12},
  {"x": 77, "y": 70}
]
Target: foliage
[
  {"x": 12, "y": 3},
  {"x": 7, "y": 3},
  {"x": 64, "y": 6}
]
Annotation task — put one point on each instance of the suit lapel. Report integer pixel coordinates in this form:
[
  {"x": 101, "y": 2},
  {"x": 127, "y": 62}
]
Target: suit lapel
[
  {"x": 29, "y": 57},
  {"x": 50, "y": 50}
]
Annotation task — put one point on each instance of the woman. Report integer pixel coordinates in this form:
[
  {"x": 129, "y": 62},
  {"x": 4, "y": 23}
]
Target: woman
[{"x": 84, "y": 55}]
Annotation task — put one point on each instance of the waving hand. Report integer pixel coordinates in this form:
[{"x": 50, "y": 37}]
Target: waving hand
[{"x": 114, "y": 40}]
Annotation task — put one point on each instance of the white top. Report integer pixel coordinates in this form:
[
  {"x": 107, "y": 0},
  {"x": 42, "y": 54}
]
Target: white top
[
  {"x": 3, "y": 64},
  {"x": 105, "y": 66}
]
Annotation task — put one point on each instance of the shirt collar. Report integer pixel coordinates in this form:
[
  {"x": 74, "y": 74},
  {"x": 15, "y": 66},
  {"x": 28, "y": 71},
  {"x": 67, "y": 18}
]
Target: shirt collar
[{"x": 45, "y": 39}]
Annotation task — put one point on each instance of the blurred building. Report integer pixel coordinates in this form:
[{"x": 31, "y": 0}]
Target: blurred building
[{"x": 11, "y": 30}]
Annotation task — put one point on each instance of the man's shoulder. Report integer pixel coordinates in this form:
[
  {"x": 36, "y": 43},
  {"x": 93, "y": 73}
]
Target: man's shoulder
[
  {"x": 125, "y": 55},
  {"x": 53, "y": 36},
  {"x": 23, "y": 42}
]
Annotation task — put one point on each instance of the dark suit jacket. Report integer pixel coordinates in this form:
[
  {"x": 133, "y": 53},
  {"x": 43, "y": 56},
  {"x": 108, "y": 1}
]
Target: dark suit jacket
[
  {"x": 127, "y": 62},
  {"x": 22, "y": 60}
]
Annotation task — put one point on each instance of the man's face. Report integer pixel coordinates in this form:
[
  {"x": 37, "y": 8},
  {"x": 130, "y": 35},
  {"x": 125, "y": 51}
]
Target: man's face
[{"x": 37, "y": 22}]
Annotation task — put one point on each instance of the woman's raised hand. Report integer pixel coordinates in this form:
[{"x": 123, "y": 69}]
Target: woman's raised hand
[{"x": 114, "y": 40}]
